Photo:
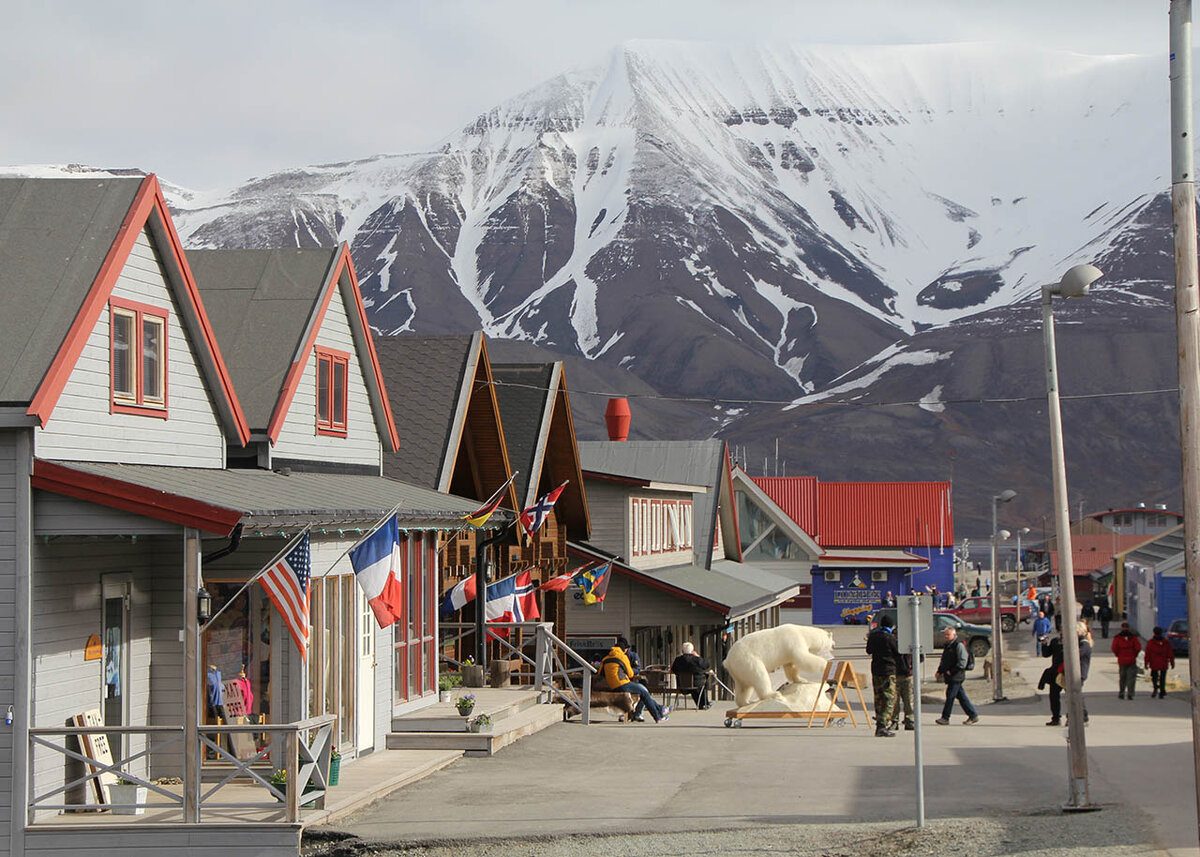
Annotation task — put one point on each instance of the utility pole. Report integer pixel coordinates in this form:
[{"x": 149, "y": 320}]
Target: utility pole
[{"x": 1183, "y": 207}]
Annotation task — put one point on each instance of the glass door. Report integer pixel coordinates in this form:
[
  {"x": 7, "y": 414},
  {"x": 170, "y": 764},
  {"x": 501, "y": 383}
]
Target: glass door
[
  {"x": 333, "y": 654},
  {"x": 115, "y": 590}
]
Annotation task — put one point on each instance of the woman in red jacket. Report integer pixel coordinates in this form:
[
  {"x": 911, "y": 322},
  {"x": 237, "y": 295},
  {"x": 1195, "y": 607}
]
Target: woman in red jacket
[{"x": 1159, "y": 656}]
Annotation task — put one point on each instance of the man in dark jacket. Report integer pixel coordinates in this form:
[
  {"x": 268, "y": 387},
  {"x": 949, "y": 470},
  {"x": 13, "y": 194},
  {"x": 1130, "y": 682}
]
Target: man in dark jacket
[
  {"x": 881, "y": 646},
  {"x": 952, "y": 669},
  {"x": 695, "y": 668}
]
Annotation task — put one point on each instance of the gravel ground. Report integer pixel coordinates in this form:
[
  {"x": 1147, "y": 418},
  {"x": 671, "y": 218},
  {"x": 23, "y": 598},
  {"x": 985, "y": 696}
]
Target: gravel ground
[{"x": 1114, "y": 830}]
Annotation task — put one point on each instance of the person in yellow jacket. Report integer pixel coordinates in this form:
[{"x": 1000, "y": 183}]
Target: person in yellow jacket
[{"x": 618, "y": 675}]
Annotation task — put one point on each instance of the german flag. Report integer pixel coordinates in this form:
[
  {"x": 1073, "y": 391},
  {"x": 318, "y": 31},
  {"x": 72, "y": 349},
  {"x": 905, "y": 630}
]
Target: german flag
[{"x": 480, "y": 516}]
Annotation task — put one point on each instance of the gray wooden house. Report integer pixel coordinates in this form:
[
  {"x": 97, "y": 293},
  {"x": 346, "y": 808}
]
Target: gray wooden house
[{"x": 118, "y": 506}]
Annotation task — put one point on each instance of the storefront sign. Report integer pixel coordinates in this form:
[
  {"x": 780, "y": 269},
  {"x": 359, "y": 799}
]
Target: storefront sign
[
  {"x": 93, "y": 650},
  {"x": 857, "y": 600}
]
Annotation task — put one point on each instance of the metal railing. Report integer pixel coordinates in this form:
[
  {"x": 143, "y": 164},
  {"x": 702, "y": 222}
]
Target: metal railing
[
  {"x": 306, "y": 749},
  {"x": 555, "y": 668}
]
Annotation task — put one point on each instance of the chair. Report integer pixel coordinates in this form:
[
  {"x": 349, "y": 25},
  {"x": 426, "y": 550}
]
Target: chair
[{"x": 680, "y": 688}]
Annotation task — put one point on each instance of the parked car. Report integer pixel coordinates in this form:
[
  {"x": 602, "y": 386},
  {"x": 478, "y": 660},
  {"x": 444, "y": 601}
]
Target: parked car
[
  {"x": 1177, "y": 636},
  {"x": 978, "y": 609},
  {"x": 977, "y": 637}
]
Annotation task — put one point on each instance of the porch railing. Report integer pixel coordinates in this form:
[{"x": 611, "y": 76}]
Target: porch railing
[
  {"x": 559, "y": 673},
  {"x": 305, "y": 746}
]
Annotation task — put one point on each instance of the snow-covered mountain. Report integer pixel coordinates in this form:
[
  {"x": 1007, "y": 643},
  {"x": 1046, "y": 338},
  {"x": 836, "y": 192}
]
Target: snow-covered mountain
[{"x": 784, "y": 212}]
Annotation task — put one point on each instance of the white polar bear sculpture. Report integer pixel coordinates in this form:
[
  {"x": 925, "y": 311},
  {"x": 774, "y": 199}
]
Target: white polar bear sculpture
[{"x": 802, "y": 651}]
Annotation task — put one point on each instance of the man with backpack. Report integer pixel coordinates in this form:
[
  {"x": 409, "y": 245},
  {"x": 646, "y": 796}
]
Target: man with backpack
[{"x": 952, "y": 669}]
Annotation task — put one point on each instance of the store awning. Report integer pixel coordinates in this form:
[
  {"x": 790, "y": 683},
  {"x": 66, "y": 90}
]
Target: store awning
[{"x": 870, "y": 558}]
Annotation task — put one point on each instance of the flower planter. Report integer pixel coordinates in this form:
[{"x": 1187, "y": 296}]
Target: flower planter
[
  {"x": 474, "y": 727},
  {"x": 465, "y": 711},
  {"x": 335, "y": 769},
  {"x": 443, "y": 696},
  {"x": 472, "y": 675},
  {"x": 127, "y": 795}
]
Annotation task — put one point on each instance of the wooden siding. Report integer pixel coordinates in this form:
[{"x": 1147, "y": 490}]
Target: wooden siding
[
  {"x": 298, "y": 438},
  {"x": 8, "y": 653},
  {"x": 630, "y": 605},
  {"x": 209, "y": 840},
  {"x": 608, "y": 503},
  {"x": 55, "y": 515},
  {"x": 81, "y": 427}
]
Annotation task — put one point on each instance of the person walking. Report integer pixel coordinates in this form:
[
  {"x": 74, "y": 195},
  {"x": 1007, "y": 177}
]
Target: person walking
[
  {"x": 952, "y": 669},
  {"x": 1159, "y": 656},
  {"x": 1054, "y": 676},
  {"x": 881, "y": 646},
  {"x": 618, "y": 673},
  {"x": 1126, "y": 646},
  {"x": 1041, "y": 633},
  {"x": 1105, "y": 614}
]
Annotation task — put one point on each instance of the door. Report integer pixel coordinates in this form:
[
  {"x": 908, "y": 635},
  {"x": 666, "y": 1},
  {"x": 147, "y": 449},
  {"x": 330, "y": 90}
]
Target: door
[
  {"x": 366, "y": 673},
  {"x": 115, "y": 591}
]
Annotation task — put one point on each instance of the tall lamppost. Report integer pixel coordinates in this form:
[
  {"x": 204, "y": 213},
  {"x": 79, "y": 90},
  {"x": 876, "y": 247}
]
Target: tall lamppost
[
  {"x": 1074, "y": 284},
  {"x": 997, "y": 640},
  {"x": 1020, "y": 568}
]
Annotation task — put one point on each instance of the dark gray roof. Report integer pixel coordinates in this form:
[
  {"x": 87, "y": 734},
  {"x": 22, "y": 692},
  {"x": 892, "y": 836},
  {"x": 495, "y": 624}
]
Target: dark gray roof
[
  {"x": 424, "y": 379},
  {"x": 739, "y": 587},
  {"x": 522, "y": 391},
  {"x": 686, "y": 462},
  {"x": 54, "y": 235},
  {"x": 267, "y": 498},
  {"x": 1164, "y": 553},
  {"x": 259, "y": 303}
]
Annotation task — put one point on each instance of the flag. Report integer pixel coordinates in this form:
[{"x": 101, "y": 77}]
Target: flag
[
  {"x": 286, "y": 583},
  {"x": 560, "y": 583},
  {"x": 511, "y": 600},
  {"x": 459, "y": 595},
  {"x": 595, "y": 583},
  {"x": 533, "y": 517},
  {"x": 376, "y": 562},
  {"x": 480, "y": 516}
]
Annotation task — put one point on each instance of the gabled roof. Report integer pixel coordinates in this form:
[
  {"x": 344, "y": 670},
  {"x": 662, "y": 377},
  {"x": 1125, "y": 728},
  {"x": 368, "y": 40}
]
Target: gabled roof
[
  {"x": 217, "y": 500},
  {"x": 63, "y": 245},
  {"x": 884, "y": 514},
  {"x": 796, "y": 496},
  {"x": 442, "y": 393},
  {"x": 732, "y": 589},
  {"x": 1163, "y": 552},
  {"x": 782, "y": 517},
  {"x": 683, "y": 462},
  {"x": 1090, "y": 552},
  {"x": 539, "y": 431},
  {"x": 267, "y": 307}
]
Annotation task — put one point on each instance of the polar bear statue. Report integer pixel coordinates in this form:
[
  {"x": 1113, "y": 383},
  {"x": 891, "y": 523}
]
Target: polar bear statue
[{"x": 801, "y": 650}]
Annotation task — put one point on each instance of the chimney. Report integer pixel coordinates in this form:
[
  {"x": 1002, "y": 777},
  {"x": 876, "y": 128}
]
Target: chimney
[{"x": 617, "y": 417}]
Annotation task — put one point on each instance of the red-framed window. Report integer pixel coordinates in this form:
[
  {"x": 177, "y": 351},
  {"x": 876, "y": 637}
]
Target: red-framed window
[
  {"x": 333, "y": 374},
  {"x": 137, "y": 358}
]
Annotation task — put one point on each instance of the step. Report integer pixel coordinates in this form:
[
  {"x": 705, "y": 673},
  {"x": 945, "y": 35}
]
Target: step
[
  {"x": 444, "y": 717},
  {"x": 512, "y": 728}
]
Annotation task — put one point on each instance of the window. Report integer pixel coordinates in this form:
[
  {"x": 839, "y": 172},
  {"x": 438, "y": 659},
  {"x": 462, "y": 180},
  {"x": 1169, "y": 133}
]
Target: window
[
  {"x": 635, "y": 528},
  {"x": 333, "y": 369},
  {"x": 138, "y": 360}
]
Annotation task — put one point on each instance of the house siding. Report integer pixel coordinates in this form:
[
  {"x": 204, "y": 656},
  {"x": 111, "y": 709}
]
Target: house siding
[
  {"x": 298, "y": 438},
  {"x": 81, "y": 427},
  {"x": 8, "y": 611},
  {"x": 55, "y": 515},
  {"x": 608, "y": 505},
  {"x": 207, "y": 841}
]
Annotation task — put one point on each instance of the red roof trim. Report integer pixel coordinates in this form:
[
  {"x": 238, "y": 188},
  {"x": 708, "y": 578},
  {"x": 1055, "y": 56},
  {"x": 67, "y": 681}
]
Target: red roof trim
[
  {"x": 737, "y": 530},
  {"x": 149, "y": 199},
  {"x": 128, "y": 497},
  {"x": 653, "y": 583},
  {"x": 291, "y": 383},
  {"x": 609, "y": 477}
]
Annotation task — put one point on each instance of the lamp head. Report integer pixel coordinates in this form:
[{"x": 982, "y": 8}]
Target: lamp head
[
  {"x": 1076, "y": 282},
  {"x": 1003, "y": 535},
  {"x": 1023, "y": 531},
  {"x": 1005, "y": 495}
]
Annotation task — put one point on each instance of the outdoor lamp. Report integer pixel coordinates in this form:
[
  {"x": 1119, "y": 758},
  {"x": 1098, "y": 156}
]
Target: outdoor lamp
[
  {"x": 203, "y": 606},
  {"x": 997, "y": 640}
]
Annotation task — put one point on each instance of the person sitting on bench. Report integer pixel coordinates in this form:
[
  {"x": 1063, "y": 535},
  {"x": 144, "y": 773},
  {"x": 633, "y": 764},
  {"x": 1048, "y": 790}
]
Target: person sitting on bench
[
  {"x": 695, "y": 669},
  {"x": 617, "y": 674}
]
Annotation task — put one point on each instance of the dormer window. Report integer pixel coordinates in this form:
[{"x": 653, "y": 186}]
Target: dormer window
[
  {"x": 138, "y": 364},
  {"x": 333, "y": 368}
]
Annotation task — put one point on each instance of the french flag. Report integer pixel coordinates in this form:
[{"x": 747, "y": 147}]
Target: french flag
[
  {"x": 377, "y": 569},
  {"x": 509, "y": 600}
]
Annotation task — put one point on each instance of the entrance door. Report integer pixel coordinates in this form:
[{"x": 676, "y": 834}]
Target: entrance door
[
  {"x": 366, "y": 673},
  {"x": 115, "y": 590}
]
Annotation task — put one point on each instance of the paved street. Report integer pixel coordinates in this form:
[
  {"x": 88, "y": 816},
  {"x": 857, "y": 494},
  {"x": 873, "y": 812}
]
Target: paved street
[{"x": 693, "y": 774}]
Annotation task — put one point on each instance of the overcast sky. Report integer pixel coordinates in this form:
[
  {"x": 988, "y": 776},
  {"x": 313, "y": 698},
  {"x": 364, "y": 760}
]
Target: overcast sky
[{"x": 210, "y": 94}]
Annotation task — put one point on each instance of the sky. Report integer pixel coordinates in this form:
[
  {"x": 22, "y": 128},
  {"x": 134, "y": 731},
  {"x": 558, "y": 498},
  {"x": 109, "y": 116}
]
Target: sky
[{"x": 209, "y": 95}]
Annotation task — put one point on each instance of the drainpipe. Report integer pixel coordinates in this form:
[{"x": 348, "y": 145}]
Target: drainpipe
[{"x": 235, "y": 541}]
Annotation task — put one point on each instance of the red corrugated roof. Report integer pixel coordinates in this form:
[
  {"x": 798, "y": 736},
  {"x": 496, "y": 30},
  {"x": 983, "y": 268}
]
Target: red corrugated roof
[
  {"x": 884, "y": 514},
  {"x": 1092, "y": 552},
  {"x": 795, "y": 495}
]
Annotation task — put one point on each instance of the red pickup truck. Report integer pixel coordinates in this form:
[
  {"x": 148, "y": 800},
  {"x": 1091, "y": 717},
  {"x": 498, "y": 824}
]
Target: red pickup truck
[{"x": 978, "y": 610}]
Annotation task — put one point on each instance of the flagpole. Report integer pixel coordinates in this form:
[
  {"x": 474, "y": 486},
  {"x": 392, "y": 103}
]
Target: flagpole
[
  {"x": 259, "y": 574},
  {"x": 370, "y": 532}
]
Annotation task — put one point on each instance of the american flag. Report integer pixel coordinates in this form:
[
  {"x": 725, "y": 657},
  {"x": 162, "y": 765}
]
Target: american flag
[{"x": 286, "y": 583}]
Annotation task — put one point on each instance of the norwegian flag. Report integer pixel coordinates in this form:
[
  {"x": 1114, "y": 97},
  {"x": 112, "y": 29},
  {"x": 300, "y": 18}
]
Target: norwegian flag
[{"x": 533, "y": 517}]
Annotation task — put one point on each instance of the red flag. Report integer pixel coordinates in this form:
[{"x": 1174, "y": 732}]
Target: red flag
[{"x": 533, "y": 517}]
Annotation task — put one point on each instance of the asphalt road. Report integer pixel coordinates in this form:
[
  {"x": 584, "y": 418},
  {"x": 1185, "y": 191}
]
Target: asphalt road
[{"x": 692, "y": 774}]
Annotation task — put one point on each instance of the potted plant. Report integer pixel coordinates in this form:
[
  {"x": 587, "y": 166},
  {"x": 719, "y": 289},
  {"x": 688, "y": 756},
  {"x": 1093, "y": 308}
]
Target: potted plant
[
  {"x": 465, "y": 704},
  {"x": 479, "y": 723},
  {"x": 446, "y": 683},
  {"x": 127, "y": 797},
  {"x": 335, "y": 765},
  {"x": 472, "y": 673},
  {"x": 279, "y": 781}
]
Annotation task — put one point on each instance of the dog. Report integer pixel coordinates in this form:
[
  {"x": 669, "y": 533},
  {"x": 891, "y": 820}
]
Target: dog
[{"x": 618, "y": 703}]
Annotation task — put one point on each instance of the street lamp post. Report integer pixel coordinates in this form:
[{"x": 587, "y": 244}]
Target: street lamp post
[
  {"x": 997, "y": 638},
  {"x": 1020, "y": 568},
  {"x": 1075, "y": 283}
]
